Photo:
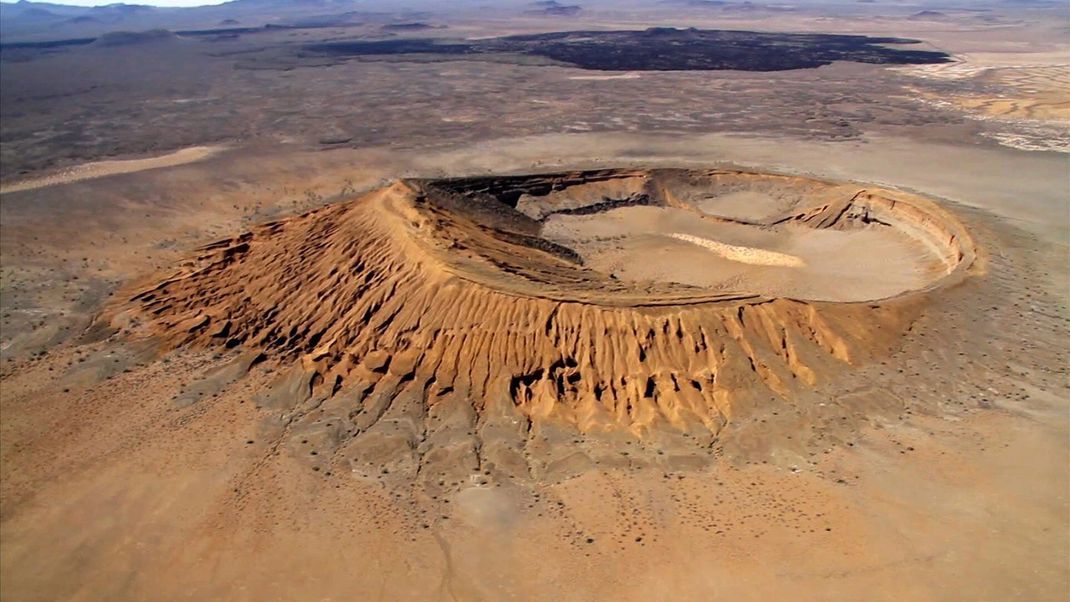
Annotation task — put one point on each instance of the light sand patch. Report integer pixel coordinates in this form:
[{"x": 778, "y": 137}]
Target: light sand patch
[
  {"x": 99, "y": 169},
  {"x": 1038, "y": 92},
  {"x": 631, "y": 75},
  {"x": 747, "y": 255},
  {"x": 1028, "y": 94},
  {"x": 1050, "y": 108}
]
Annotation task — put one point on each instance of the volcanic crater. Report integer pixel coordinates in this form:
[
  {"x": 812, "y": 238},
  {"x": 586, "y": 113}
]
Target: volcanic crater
[{"x": 532, "y": 326}]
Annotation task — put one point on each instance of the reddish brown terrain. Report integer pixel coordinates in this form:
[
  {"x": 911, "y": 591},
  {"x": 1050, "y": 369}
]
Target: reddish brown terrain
[{"x": 427, "y": 327}]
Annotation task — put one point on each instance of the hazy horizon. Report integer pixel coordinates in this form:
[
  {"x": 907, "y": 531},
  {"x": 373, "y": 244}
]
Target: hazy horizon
[{"x": 160, "y": 3}]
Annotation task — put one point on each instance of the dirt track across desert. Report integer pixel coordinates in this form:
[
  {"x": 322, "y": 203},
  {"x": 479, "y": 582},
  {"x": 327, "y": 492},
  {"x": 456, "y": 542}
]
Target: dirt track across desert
[{"x": 100, "y": 169}]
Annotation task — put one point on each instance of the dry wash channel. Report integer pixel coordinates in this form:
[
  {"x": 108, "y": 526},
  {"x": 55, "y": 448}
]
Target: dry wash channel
[{"x": 495, "y": 325}]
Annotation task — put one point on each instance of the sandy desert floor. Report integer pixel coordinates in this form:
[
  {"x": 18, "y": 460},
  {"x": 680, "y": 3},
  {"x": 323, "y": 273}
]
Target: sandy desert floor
[
  {"x": 282, "y": 325},
  {"x": 948, "y": 482}
]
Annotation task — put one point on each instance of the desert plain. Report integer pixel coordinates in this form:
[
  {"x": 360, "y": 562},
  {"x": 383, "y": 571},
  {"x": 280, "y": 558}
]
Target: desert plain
[{"x": 329, "y": 302}]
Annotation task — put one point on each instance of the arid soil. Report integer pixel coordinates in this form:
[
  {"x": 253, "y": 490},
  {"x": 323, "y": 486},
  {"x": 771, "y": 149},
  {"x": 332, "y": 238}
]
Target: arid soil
[
  {"x": 889, "y": 468},
  {"x": 275, "y": 326}
]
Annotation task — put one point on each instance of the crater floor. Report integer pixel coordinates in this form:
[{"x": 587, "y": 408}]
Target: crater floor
[{"x": 707, "y": 233}]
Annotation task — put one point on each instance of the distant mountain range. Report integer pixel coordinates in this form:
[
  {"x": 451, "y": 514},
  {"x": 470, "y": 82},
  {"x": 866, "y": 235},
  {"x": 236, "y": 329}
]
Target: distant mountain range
[
  {"x": 26, "y": 21},
  {"x": 29, "y": 21}
]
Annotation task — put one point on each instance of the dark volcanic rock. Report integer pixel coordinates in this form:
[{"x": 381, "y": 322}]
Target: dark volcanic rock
[
  {"x": 129, "y": 38},
  {"x": 415, "y": 26},
  {"x": 662, "y": 49}
]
